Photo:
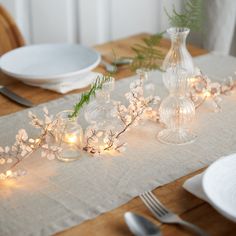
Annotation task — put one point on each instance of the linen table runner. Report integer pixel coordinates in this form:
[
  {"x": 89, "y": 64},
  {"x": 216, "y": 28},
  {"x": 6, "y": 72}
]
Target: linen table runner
[{"x": 54, "y": 195}]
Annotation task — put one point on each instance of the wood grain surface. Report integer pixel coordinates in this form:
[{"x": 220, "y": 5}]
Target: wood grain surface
[
  {"x": 172, "y": 195},
  {"x": 38, "y": 95},
  {"x": 10, "y": 36}
]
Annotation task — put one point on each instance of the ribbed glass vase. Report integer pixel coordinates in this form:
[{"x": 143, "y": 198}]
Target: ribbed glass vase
[
  {"x": 177, "y": 111},
  {"x": 178, "y": 55}
]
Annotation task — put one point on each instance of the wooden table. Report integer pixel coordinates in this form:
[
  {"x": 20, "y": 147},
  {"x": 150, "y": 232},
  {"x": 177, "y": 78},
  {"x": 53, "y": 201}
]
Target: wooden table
[{"x": 172, "y": 195}]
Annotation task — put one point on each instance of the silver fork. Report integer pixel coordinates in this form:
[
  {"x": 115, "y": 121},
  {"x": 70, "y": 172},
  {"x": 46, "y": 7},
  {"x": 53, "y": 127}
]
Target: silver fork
[{"x": 166, "y": 216}]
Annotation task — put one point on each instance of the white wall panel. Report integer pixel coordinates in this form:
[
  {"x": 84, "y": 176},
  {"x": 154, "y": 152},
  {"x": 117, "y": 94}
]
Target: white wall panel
[
  {"x": 87, "y": 21},
  {"x": 23, "y": 19},
  {"x": 134, "y": 16},
  {"x": 53, "y": 21},
  {"x": 168, "y": 5},
  {"x": 10, "y": 5},
  {"x": 19, "y": 9},
  {"x": 94, "y": 21}
]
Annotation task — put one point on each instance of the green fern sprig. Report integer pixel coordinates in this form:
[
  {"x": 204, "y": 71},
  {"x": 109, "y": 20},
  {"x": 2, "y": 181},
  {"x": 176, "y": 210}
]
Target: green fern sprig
[
  {"x": 86, "y": 97},
  {"x": 147, "y": 55},
  {"x": 191, "y": 17}
]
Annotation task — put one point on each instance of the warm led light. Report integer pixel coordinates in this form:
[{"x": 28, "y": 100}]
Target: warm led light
[
  {"x": 70, "y": 138},
  {"x": 193, "y": 80},
  {"x": 207, "y": 94},
  {"x": 8, "y": 173},
  {"x": 37, "y": 140}
]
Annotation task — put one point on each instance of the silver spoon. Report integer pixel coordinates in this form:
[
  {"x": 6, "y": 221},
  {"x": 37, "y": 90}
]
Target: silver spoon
[
  {"x": 141, "y": 226},
  {"x": 112, "y": 68},
  {"x": 109, "y": 67}
]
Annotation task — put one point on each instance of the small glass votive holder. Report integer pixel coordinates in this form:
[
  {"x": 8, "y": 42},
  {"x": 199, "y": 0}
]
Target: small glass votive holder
[{"x": 70, "y": 137}]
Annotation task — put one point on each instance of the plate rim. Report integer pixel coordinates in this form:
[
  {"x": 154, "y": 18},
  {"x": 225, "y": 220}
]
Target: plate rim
[
  {"x": 28, "y": 77},
  {"x": 215, "y": 205}
]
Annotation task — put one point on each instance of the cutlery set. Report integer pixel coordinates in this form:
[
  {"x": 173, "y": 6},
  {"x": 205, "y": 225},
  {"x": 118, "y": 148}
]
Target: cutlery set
[{"x": 141, "y": 226}]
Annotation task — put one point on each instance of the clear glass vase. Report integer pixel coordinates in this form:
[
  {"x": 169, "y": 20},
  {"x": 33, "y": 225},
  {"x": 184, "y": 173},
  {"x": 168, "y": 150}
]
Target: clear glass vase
[
  {"x": 101, "y": 111},
  {"x": 178, "y": 55},
  {"x": 177, "y": 111}
]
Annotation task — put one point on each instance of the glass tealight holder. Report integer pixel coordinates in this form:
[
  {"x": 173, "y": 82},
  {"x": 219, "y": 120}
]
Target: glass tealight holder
[
  {"x": 177, "y": 111},
  {"x": 70, "y": 137}
]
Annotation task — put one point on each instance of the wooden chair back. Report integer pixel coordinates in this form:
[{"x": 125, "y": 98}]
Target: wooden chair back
[{"x": 10, "y": 35}]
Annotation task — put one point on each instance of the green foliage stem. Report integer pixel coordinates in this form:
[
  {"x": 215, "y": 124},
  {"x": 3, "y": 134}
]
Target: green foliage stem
[
  {"x": 191, "y": 16},
  {"x": 86, "y": 97},
  {"x": 146, "y": 54}
]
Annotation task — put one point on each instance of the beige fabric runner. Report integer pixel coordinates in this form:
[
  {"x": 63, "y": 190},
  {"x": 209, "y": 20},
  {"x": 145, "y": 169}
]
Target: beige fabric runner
[{"x": 54, "y": 196}]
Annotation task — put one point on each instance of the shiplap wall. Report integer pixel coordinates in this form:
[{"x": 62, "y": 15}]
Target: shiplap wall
[{"x": 87, "y": 21}]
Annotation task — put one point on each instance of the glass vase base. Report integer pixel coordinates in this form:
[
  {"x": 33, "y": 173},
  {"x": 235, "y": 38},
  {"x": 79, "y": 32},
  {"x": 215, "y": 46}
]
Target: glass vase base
[
  {"x": 176, "y": 137},
  {"x": 69, "y": 155}
]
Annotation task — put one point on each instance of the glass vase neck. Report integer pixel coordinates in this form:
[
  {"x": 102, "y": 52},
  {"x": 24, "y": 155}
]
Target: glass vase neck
[
  {"x": 176, "y": 80},
  {"x": 178, "y": 39},
  {"x": 178, "y": 55},
  {"x": 178, "y": 34}
]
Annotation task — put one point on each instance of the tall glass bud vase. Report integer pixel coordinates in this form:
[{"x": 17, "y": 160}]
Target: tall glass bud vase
[{"x": 178, "y": 55}]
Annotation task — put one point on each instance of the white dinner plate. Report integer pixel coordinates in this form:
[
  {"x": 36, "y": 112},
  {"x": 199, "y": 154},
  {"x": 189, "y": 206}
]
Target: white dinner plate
[
  {"x": 219, "y": 185},
  {"x": 49, "y": 63}
]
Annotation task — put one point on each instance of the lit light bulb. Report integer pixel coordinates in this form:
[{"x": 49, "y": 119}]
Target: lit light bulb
[
  {"x": 71, "y": 138},
  {"x": 207, "y": 94},
  {"x": 8, "y": 173},
  {"x": 193, "y": 80},
  {"x": 37, "y": 140}
]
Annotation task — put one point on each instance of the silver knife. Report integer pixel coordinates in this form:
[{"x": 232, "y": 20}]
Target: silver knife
[{"x": 14, "y": 97}]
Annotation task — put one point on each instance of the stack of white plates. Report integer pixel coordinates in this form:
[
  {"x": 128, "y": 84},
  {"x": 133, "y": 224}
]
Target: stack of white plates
[{"x": 50, "y": 63}]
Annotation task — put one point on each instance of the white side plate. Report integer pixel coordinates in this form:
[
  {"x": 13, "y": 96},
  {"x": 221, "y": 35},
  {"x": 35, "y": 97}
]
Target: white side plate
[
  {"x": 219, "y": 184},
  {"x": 49, "y": 63}
]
